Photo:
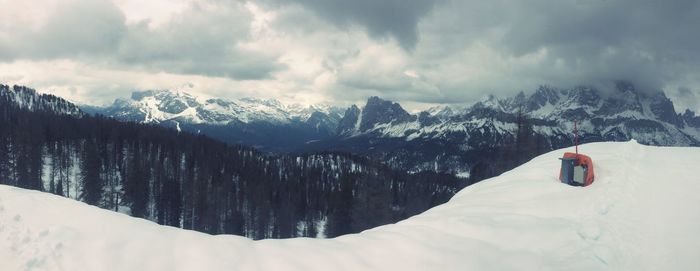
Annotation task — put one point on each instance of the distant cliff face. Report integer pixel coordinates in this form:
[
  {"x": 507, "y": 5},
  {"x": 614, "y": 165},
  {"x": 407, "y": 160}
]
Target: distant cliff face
[{"x": 375, "y": 112}]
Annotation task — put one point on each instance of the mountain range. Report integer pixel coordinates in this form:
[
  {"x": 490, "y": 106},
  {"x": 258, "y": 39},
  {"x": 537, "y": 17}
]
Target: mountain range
[
  {"x": 266, "y": 124},
  {"x": 445, "y": 138},
  {"x": 454, "y": 138},
  {"x": 194, "y": 182}
]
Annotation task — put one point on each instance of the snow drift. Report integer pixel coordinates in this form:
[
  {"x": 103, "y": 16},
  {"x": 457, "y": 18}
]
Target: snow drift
[{"x": 640, "y": 214}]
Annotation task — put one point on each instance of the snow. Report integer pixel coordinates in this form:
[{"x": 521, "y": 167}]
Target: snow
[
  {"x": 359, "y": 121},
  {"x": 640, "y": 214},
  {"x": 491, "y": 101},
  {"x": 544, "y": 111},
  {"x": 552, "y": 111},
  {"x": 463, "y": 174},
  {"x": 399, "y": 129},
  {"x": 215, "y": 111}
]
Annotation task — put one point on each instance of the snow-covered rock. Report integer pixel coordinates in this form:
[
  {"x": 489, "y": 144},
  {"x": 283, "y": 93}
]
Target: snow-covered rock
[
  {"x": 457, "y": 137},
  {"x": 639, "y": 214},
  {"x": 648, "y": 116},
  {"x": 268, "y": 124},
  {"x": 27, "y": 98},
  {"x": 157, "y": 106}
]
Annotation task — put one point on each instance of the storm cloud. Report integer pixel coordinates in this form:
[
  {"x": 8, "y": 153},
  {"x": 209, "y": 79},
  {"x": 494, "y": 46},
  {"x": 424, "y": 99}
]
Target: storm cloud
[
  {"x": 385, "y": 18},
  {"x": 432, "y": 51},
  {"x": 71, "y": 29},
  {"x": 470, "y": 48},
  {"x": 202, "y": 40}
]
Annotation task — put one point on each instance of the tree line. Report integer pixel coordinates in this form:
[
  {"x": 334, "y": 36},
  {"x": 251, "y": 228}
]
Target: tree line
[
  {"x": 194, "y": 182},
  {"x": 523, "y": 145}
]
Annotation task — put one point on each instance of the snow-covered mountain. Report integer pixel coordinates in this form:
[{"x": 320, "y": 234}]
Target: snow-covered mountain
[
  {"x": 156, "y": 106},
  {"x": 637, "y": 215},
  {"x": 445, "y": 138},
  {"x": 454, "y": 138},
  {"x": 649, "y": 117},
  {"x": 27, "y": 98},
  {"x": 266, "y": 124}
]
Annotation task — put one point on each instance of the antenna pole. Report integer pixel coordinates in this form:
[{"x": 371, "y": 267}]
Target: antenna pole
[{"x": 576, "y": 137}]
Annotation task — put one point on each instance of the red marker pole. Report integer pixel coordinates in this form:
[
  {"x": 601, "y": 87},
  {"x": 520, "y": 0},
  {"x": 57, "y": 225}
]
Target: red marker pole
[{"x": 576, "y": 137}]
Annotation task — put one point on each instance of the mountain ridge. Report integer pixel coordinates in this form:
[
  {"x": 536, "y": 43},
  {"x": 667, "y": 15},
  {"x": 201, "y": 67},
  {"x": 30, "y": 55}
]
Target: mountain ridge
[
  {"x": 446, "y": 138},
  {"x": 156, "y": 106},
  {"x": 28, "y": 98},
  {"x": 193, "y": 181},
  {"x": 266, "y": 124},
  {"x": 548, "y": 108},
  {"x": 456, "y": 138}
]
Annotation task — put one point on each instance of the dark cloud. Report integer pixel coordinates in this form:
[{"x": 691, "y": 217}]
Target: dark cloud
[
  {"x": 445, "y": 51},
  {"x": 685, "y": 98},
  {"x": 469, "y": 49},
  {"x": 73, "y": 29},
  {"x": 381, "y": 18},
  {"x": 200, "y": 40},
  {"x": 647, "y": 42}
]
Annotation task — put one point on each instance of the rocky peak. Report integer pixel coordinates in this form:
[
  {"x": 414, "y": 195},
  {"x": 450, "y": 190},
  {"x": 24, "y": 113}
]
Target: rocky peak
[
  {"x": 624, "y": 98},
  {"x": 220, "y": 102},
  {"x": 157, "y": 106},
  {"x": 490, "y": 101},
  {"x": 662, "y": 107},
  {"x": 322, "y": 121},
  {"x": 691, "y": 119},
  {"x": 266, "y": 102},
  {"x": 379, "y": 111},
  {"x": 543, "y": 95},
  {"x": 376, "y": 111},
  {"x": 445, "y": 112},
  {"x": 349, "y": 121},
  {"x": 426, "y": 119},
  {"x": 140, "y": 95},
  {"x": 688, "y": 114},
  {"x": 583, "y": 96},
  {"x": 168, "y": 101}
]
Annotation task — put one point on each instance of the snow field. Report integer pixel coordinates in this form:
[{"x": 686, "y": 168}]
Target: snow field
[{"x": 640, "y": 214}]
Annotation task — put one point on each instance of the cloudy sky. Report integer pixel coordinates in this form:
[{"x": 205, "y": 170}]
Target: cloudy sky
[{"x": 418, "y": 52}]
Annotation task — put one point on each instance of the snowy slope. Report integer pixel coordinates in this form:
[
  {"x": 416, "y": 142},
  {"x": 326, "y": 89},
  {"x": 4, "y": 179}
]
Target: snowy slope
[{"x": 640, "y": 214}]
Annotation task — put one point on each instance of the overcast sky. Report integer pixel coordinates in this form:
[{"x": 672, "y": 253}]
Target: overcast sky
[{"x": 336, "y": 51}]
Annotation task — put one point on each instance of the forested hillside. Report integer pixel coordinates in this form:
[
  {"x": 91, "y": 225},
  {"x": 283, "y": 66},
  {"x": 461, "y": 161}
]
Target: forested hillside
[{"x": 193, "y": 182}]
